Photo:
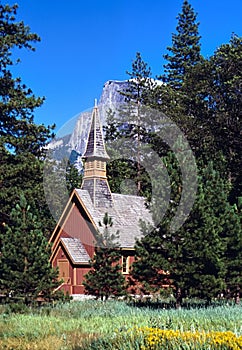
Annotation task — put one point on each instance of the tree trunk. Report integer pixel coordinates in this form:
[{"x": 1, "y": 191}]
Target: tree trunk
[{"x": 138, "y": 154}]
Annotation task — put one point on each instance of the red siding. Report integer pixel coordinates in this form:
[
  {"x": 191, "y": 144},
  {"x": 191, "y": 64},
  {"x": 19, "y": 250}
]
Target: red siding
[
  {"x": 62, "y": 234},
  {"x": 59, "y": 255},
  {"x": 78, "y": 290},
  {"x": 78, "y": 227},
  {"x": 80, "y": 272}
]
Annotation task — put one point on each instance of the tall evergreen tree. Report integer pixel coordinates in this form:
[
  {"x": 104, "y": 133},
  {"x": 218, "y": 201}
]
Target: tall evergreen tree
[
  {"x": 232, "y": 234},
  {"x": 214, "y": 96},
  {"x": 131, "y": 124},
  {"x": 224, "y": 95},
  {"x": 119, "y": 170},
  {"x": 140, "y": 82},
  {"x": 185, "y": 49},
  {"x": 105, "y": 278},
  {"x": 25, "y": 271},
  {"x": 183, "y": 96},
  {"x": 59, "y": 179},
  {"x": 175, "y": 97},
  {"x": 137, "y": 94},
  {"x": 73, "y": 178},
  {"x": 22, "y": 142},
  {"x": 195, "y": 258}
]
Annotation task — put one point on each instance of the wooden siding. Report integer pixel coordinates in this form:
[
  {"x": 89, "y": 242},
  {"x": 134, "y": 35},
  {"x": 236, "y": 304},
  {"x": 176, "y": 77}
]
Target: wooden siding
[
  {"x": 73, "y": 275},
  {"x": 78, "y": 289},
  {"x": 60, "y": 254},
  {"x": 61, "y": 260},
  {"x": 80, "y": 272},
  {"x": 78, "y": 226},
  {"x": 64, "y": 270}
]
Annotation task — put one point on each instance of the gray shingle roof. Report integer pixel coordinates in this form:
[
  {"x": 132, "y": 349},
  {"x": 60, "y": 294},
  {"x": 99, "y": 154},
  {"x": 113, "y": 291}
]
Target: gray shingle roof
[
  {"x": 126, "y": 213},
  {"x": 99, "y": 191},
  {"x": 95, "y": 144},
  {"x": 76, "y": 250}
]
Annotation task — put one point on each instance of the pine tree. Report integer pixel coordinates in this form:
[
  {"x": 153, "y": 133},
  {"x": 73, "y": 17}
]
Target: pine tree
[
  {"x": 22, "y": 142},
  {"x": 119, "y": 170},
  {"x": 185, "y": 49},
  {"x": 205, "y": 245},
  {"x": 130, "y": 126},
  {"x": 180, "y": 97},
  {"x": 136, "y": 94},
  {"x": 213, "y": 99},
  {"x": 25, "y": 271},
  {"x": 140, "y": 82},
  {"x": 224, "y": 80},
  {"x": 233, "y": 236},
  {"x": 73, "y": 178},
  {"x": 57, "y": 184},
  {"x": 105, "y": 278},
  {"x": 195, "y": 258}
]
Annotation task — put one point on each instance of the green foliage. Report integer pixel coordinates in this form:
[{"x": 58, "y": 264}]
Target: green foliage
[
  {"x": 203, "y": 97},
  {"x": 55, "y": 185},
  {"x": 22, "y": 142},
  {"x": 178, "y": 97},
  {"x": 185, "y": 49},
  {"x": 232, "y": 233},
  {"x": 73, "y": 178},
  {"x": 140, "y": 82},
  {"x": 60, "y": 178},
  {"x": 25, "y": 272},
  {"x": 105, "y": 278},
  {"x": 215, "y": 85},
  {"x": 127, "y": 133},
  {"x": 194, "y": 259},
  {"x": 13, "y": 34},
  {"x": 137, "y": 93}
]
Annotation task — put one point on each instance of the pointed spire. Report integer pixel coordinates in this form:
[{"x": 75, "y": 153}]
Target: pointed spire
[
  {"x": 95, "y": 156},
  {"x": 95, "y": 143}
]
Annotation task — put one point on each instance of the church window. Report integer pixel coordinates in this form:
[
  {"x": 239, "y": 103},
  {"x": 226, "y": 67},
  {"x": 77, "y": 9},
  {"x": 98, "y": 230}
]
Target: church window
[{"x": 125, "y": 264}]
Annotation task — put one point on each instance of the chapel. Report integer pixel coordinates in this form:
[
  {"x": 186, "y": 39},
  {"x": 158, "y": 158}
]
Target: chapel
[{"x": 73, "y": 239}]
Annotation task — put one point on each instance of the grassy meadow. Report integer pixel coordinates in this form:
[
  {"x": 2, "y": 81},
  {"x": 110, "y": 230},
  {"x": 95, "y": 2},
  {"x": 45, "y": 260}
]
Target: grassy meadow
[{"x": 116, "y": 325}]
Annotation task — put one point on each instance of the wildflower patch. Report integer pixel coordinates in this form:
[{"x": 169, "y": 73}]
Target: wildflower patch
[{"x": 155, "y": 338}]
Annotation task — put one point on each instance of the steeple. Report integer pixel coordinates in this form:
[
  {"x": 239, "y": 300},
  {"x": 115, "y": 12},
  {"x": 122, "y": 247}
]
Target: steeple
[
  {"x": 95, "y": 145},
  {"x": 95, "y": 156}
]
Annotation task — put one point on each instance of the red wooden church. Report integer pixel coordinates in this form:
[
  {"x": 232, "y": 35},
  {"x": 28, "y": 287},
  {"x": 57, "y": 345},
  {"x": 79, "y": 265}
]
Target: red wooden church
[{"x": 73, "y": 239}]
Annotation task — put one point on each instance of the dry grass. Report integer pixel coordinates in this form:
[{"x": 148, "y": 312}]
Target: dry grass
[{"x": 68, "y": 341}]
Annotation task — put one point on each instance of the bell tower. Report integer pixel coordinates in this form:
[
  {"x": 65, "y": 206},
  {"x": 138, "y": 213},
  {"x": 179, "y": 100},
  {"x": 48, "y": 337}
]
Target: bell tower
[{"x": 96, "y": 157}]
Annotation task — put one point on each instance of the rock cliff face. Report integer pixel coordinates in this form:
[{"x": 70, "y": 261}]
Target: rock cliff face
[
  {"x": 75, "y": 143},
  {"x": 111, "y": 92},
  {"x": 110, "y": 98}
]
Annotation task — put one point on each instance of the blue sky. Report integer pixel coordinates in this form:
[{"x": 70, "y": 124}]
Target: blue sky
[{"x": 85, "y": 43}]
